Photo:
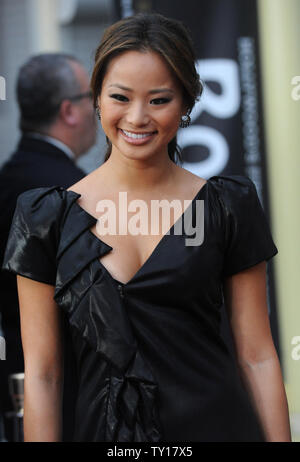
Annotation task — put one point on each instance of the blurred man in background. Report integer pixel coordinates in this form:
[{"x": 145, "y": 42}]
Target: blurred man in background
[{"x": 58, "y": 125}]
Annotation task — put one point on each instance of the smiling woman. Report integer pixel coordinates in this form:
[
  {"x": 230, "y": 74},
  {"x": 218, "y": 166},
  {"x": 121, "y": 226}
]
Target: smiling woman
[
  {"x": 145, "y": 114},
  {"x": 164, "y": 43},
  {"x": 144, "y": 310}
]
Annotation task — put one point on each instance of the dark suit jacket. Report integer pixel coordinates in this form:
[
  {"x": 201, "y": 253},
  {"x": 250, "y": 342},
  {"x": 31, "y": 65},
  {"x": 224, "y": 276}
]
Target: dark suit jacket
[{"x": 35, "y": 164}]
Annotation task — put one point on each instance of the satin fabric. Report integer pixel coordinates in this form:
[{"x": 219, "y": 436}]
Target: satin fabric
[{"x": 151, "y": 363}]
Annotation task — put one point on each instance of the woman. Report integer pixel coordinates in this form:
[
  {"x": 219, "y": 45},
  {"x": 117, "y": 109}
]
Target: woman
[{"x": 143, "y": 308}]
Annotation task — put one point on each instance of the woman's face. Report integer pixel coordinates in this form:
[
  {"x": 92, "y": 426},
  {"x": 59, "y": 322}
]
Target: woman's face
[{"x": 141, "y": 104}]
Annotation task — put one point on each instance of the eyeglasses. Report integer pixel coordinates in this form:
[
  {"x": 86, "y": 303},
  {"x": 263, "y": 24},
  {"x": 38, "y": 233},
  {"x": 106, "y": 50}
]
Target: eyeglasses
[{"x": 88, "y": 94}]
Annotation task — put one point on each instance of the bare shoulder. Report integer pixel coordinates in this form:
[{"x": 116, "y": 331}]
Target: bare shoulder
[
  {"x": 190, "y": 182},
  {"x": 90, "y": 188},
  {"x": 87, "y": 183}
]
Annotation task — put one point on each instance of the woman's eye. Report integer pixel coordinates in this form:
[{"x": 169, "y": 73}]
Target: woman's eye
[
  {"x": 160, "y": 101},
  {"x": 119, "y": 97}
]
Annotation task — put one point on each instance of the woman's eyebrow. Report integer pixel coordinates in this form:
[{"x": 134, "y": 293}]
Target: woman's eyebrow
[
  {"x": 161, "y": 90},
  {"x": 156, "y": 90}
]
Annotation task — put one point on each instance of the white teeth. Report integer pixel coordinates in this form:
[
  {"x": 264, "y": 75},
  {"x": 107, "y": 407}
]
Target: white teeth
[{"x": 136, "y": 136}]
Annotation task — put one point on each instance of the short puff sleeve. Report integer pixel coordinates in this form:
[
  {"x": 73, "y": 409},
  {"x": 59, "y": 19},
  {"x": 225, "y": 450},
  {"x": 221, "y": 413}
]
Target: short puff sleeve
[
  {"x": 32, "y": 241},
  {"x": 248, "y": 236}
]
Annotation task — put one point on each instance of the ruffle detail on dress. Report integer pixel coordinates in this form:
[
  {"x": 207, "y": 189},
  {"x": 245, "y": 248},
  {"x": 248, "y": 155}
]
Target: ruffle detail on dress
[
  {"x": 94, "y": 308},
  {"x": 132, "y": 409},
  {"x": 132, "y": 413}
]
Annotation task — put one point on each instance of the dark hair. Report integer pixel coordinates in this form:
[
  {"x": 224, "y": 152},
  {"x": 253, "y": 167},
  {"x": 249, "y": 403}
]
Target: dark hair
[
  {"x": 151, "y": 32},
  {"x": 43, "y": 82}
]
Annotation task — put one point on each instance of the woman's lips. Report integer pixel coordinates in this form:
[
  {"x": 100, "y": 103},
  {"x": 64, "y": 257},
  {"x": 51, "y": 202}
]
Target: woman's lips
[{"x": 137, "y": 138}]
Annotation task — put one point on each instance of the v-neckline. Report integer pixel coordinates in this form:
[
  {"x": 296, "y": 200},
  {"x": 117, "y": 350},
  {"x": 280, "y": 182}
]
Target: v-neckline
[{"x": 154, "y": 251}]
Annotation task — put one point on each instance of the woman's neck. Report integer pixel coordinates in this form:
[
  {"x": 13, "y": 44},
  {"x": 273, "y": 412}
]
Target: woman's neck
[{"x": 135, "y": 175}]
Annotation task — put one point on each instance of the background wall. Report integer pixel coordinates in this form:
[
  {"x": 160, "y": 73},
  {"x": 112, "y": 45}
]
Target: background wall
[{"x": 280, "y": 56}]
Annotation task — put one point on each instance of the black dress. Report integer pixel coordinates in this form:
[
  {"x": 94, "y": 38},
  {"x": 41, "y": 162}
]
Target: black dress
[{"x": 151, "y": 363}]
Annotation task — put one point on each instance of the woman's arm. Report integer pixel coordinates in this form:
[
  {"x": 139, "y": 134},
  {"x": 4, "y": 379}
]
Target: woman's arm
[
  {"x": 246, "y": 302},
  {"x": 43, "y": 360}
]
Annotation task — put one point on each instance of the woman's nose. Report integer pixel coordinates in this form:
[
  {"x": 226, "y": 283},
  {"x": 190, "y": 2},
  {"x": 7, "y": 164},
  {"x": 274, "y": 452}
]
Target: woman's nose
[{"x": 138, "y": 115}]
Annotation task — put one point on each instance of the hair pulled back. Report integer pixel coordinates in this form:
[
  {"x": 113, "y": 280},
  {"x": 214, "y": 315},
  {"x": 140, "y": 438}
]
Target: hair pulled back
[{"x": 151, "y": 32}]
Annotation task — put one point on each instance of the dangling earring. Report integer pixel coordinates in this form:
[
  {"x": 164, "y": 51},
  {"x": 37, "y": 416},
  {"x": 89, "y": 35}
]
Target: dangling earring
[
  {"x": 185, "y": 121},
  {"x": 98, "y": 113}
]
